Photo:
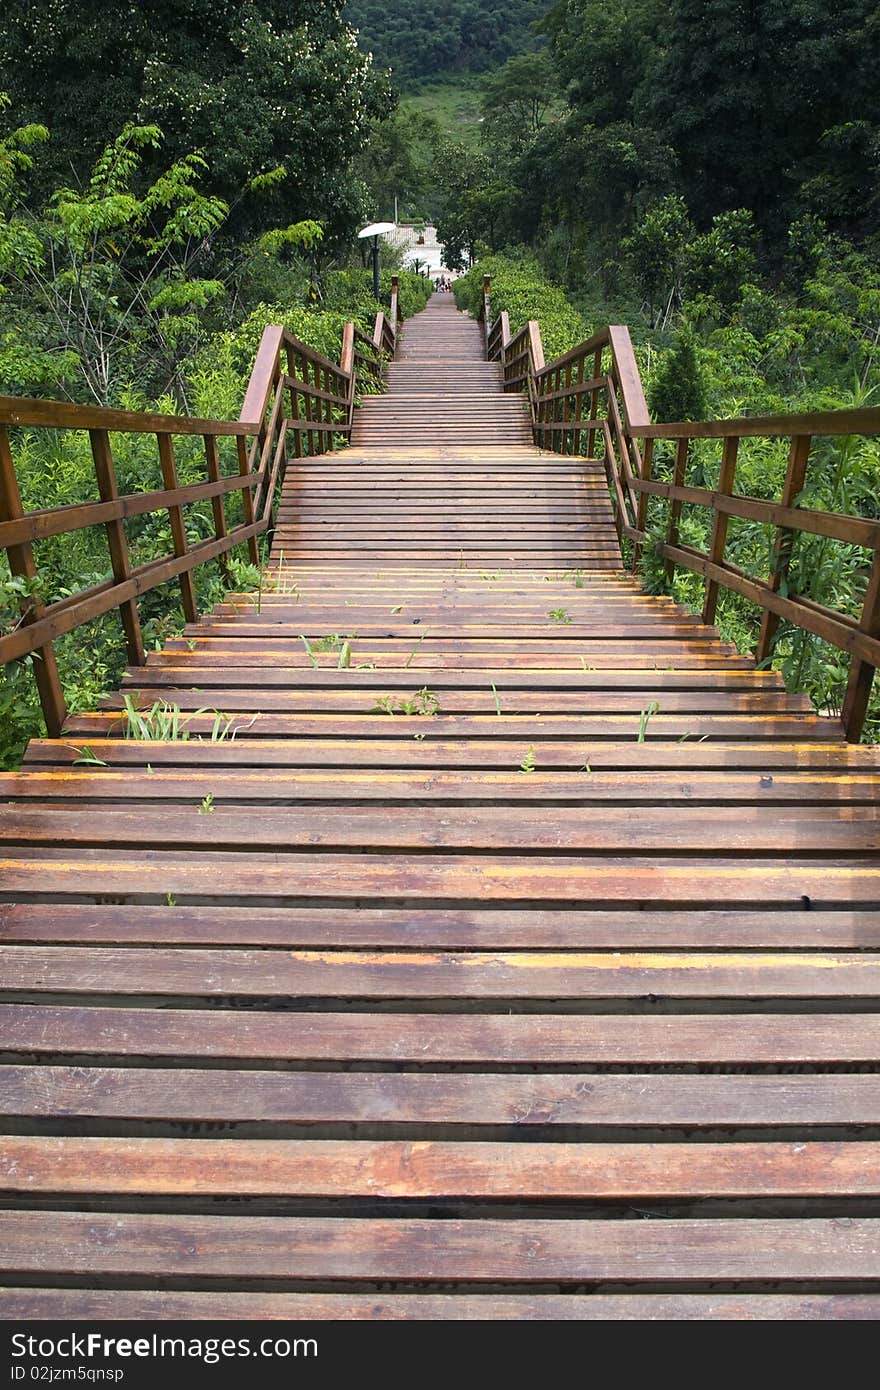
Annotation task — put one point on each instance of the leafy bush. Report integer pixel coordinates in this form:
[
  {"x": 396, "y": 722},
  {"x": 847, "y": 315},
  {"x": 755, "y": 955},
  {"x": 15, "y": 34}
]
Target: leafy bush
[
  {"x": 522, "y": 289},
  {"x": 352, "y": 290},
  {"x": 678, "y": 387}
]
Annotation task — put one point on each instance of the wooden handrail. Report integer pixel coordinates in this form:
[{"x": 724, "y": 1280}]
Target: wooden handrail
[
  {"x": 321, "y": 398},
  {"x": 603, "y": 372},
  {"x": 18, "y": 411}
]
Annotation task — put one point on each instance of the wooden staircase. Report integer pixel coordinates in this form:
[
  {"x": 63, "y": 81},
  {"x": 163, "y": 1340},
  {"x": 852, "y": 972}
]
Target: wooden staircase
[{"x": 497, "y": 944}]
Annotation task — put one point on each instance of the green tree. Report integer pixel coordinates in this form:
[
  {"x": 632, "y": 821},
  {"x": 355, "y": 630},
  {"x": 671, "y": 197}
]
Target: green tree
[
  {"x": 602, "y": 53},
  {"x": 517, "y": 100},
  {"x": 102, "y": 286},
  {"x": 657, "y": 251},
  {"x": 397, "y": 162},
  {"x": 677, "y": 388},
  {"x": 436, "y": 38},
  {"x": 279, "y": 84},
  {"x": 746, "y": 91}
]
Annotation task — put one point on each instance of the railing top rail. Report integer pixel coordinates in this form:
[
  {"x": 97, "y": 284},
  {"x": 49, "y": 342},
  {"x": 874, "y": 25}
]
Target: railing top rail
[
  {"x": 521, "y": 336},
  {"x": 598, "y": 340},
  {"x": 825, "y": 422},
  {"x": 19, "y": 410},
  {"x": 311, "y": 353},
  {"x": 262, "y": 377}
]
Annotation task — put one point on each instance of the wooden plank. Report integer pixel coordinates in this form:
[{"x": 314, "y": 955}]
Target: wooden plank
[
  {"x": 431, "y": 928},
  {"x": 415, "y": 975},
  {"x": 548, "y": 1039},
  {"x": 456, "y": 1099},
  {"x": 718, "y": 539},
  {"x": 246, "y": 787},
  {"x": 59, "y": 521},
  {"x": 68, "y": 614},
  {"x": 505, "y": 1251},
  {"x": 613, "y": 880},
  {"x": 437, "y": 1169},
  {"x": 820, "y": 831},
  {"x": 20, "y": 410},
  {"x": 61, "y": 1304},
  {"x": 462, "y": 929}
]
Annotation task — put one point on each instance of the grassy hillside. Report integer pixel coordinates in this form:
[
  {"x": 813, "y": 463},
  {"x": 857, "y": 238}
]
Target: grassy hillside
[{"x": 454, "y": 105}]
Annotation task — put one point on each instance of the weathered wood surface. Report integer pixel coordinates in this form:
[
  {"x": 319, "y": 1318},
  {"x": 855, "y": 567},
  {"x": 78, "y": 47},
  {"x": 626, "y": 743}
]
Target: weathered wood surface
[{"x": 518, "y": 942}]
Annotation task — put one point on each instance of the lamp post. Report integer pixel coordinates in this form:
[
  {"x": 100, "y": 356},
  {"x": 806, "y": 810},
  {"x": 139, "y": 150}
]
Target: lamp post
[{"x": 375, "y": 230}]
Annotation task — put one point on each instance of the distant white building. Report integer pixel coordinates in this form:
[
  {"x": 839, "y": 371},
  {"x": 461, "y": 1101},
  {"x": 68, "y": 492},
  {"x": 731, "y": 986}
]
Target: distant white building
[{"x": 421, "y": 249}]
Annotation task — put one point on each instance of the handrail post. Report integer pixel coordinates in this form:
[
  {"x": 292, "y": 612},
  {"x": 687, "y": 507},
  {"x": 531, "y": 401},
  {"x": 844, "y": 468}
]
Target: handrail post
[
  {"x": 795, "y": 476},
  {"x": 23, "y": 566},
  {"x": 678, "y": 479},
  {"x": 108, "y": 491},
  {"x": 594, "y": 403},
  {"x": 486, "y": 313},
  {"x": 178, "y": 529},
  {"x": 247, "y": 497},
  {"x": 719, "y": 525},
  {"x": 346, "y": 363},
  {"x": 642, "y": 504},
  {"x": 861, "y": 673}
]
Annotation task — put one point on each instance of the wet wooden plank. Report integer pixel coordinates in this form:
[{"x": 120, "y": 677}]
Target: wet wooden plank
[
  {"x": 245, "y": 785},
  {"x": 432, "y": 928},
  {"x": 482, "y": 751},
  {"x": 819, "y": 830},
  {"x": 611, "y": 880}
]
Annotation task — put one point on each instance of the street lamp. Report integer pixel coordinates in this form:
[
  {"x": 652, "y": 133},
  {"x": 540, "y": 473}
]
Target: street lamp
[{"x": 375, "y": 230}]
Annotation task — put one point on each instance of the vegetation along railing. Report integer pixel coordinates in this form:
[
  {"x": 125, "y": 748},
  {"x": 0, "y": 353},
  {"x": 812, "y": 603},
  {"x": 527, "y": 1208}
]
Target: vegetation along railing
[
  {"x": 293, "y": 392},
  {"x": 590, "y": 402}
]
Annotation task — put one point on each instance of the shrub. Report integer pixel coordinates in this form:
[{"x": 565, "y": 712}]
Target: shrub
[{"x": 522, "y": 289}]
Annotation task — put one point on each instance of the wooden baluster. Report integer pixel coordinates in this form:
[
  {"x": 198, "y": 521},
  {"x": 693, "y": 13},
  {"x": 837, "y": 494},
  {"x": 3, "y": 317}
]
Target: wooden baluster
[
  {"x": 23, "y": 566},
  {"x": 307, "y": 403},
  {"x": 580, "y": 378},
  {"x": 347, "y": 365},
  {"x": 178, "y": 529},
  {"x": 642, "y": 503},
  {"x": 117, "y": 544},
  {"x": 567, "y": 443},
  {"x": 678, "y": 479},
  {"x": 486, "y": 310},
  {"x": 719, "y": 525},
  {"x": 247, "y": 498},
  {"x": 795, "y": 476},
  {"x": 329, "y": 442},
  {"x": 594, "y": 403},
  {"x": 861, "y": 673},
  {"x": 294, "y": 403},
  {"x": 212, "y": 459}
]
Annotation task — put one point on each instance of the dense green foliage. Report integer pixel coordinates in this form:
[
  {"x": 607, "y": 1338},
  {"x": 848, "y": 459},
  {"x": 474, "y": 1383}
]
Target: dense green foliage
[
  {"x": 56, "y": 467},
  {"x": 521, "y": 288},
  {"x": 424, "y": 38},
  {"x": 256, "y": 88}
]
